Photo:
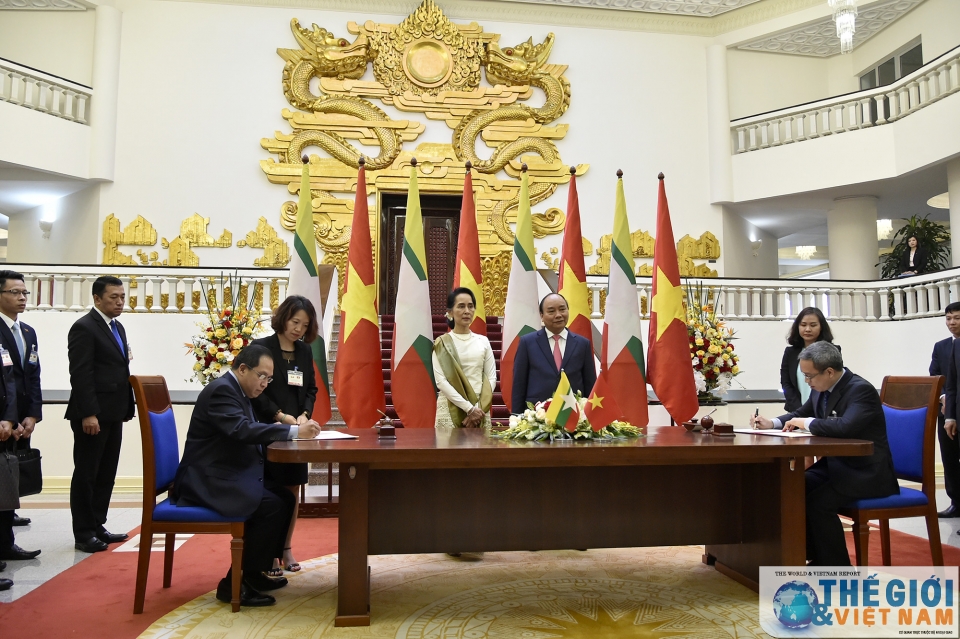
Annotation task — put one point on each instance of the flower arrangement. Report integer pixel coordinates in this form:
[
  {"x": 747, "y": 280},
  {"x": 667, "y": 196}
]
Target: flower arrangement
[
  {"x": 226, "y": 331},
  {"x": 532, "y": 425},
  {"x": 715, "y": 363}
]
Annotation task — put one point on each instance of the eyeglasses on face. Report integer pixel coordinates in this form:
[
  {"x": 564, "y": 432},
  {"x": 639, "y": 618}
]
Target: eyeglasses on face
[
  {"x": 17, "y": 292},
  {"x": 809, "y": 377},
  {"x": 261, "y": 376}
]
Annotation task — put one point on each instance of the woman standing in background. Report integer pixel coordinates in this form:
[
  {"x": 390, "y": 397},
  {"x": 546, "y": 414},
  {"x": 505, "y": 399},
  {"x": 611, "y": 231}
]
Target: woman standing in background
[{"x": 810, "y": 326}]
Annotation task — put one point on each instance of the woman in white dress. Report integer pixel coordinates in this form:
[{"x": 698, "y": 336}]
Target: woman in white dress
[{"x": 463, "y": 367}]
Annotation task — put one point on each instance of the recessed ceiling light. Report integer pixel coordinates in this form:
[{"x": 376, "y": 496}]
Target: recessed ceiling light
[{"x": 941, "y": 201}]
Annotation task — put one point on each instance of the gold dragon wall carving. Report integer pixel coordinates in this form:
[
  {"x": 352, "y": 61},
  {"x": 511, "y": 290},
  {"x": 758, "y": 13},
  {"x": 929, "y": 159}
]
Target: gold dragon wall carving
[{"x": 430, "y": 66}]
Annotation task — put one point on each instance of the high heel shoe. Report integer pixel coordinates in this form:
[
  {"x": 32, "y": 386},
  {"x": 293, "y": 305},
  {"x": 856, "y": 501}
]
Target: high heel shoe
[{"x": 290, "y": 566}]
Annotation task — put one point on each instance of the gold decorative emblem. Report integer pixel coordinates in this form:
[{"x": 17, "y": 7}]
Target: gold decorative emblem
[
  {"x": 688, "y": 249},
  {"x": 276, "y": 252}
]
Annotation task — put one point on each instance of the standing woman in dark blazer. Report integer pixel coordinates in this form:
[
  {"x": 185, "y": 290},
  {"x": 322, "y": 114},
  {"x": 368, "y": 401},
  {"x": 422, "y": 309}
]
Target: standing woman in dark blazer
[
  {"x": 289, "y": 398},
  {"x": 914, "y": 259},
  {"x": 810, "y": 326}
]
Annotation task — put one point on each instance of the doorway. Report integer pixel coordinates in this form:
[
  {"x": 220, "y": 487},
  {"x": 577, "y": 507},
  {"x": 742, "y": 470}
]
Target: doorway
[{"x": 441, "y": 228}]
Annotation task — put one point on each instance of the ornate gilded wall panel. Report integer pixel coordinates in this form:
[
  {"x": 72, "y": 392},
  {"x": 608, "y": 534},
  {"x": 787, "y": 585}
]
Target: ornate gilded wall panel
[
  {"x": 140, "y": 232},
  {"x": 276, "y": 252}
]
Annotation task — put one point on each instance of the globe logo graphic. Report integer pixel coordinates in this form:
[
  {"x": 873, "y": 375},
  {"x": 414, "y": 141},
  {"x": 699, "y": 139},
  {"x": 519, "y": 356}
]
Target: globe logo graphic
[{"x": 793, "y": 604}]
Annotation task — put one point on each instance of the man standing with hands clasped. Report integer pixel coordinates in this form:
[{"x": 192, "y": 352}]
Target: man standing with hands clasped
[
  {"x": 19, "y": 343},
  {"x": 944, "y": 358},
  {"x": 847, "y": 406},
  {"x": 101, "y": 399}
]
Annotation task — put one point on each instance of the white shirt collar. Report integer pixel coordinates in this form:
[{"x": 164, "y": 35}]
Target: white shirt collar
[
  {"x": 562, "y": 334},
  {"x": 9, "y": 322},
  {"x": 104, "y": 316}
]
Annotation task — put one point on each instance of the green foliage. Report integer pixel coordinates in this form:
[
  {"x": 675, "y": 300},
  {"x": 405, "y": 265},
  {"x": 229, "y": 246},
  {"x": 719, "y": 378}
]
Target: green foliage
[{"x": 931, "y": 236}]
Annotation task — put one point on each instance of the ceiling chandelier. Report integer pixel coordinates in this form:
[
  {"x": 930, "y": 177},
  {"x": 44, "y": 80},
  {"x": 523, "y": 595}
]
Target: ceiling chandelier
[
  {"x": 845, "y": 15},
  {"x": 806, "y": 252}
]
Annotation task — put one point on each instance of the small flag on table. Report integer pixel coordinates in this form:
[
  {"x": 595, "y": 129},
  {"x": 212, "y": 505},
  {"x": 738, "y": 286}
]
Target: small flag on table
[
  {"x": 564, "y": 410},
  {"x": 601, "y": 409}
]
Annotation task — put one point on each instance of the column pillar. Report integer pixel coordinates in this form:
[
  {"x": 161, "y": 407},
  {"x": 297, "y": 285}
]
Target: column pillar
[
  {"x": 953, "y": 188},
  {"x": 852, "y": 233},
  {"x": 718, "y": 125},
  {"x": 106, "y": 81}
]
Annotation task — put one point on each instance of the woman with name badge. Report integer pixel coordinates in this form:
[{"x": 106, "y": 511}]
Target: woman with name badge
[
  {"x": 289, "y": 398},
  {"x": 463, "y": 367}
]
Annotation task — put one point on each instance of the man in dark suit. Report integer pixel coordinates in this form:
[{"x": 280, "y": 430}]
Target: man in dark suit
[
  {"x": 222, "y": 469},
  {"x": 10, "y": 431},
  {"x": 101, "y": 399},
  {"x": 541, "y": 356},
  {"x": 20, "y": 342},
  {"x": 844, "y": 405},
  {"x": 949, "y": 443}
]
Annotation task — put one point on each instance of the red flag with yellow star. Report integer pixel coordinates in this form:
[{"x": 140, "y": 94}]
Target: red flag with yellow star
[
  {"x": 467, "y": 272},
  {"x": 601, "y": 409},
  {"x": 668, "y": 356},
  {"x": 358, "y": 376},
  {"x": 573, "y": 275}
]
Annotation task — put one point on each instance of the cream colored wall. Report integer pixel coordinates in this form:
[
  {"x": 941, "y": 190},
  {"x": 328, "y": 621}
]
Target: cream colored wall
[
  {"x": 739, "y": 260},
  {"x": 56, "y": 42},
  {"x": 760, "y": 82},
  {"x": 73, "y": 238}
]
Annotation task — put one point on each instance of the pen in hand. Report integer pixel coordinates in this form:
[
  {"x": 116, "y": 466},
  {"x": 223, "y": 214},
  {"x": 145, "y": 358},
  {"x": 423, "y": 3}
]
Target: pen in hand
[{"x": 756, "y": 414}]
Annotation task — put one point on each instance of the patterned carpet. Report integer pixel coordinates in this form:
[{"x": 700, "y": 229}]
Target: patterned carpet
[{"x": 638, "y": 592}]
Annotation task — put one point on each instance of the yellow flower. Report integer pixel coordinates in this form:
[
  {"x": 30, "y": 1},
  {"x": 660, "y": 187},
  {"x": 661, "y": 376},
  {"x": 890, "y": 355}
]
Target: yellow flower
[
  {"x": 220, "y": 332},
  {"x": 725, "y": 356},
  {"x": 735, "y": 370},
  {"x": 700, "y": 353},
  {"x": 236, "y": 343},
  {"x": 198, "y": 366},
  {"x": 716, "y": 369},
  {"x": 247, "y": 330},
  {"x": 212, "y": 349},
  {"x": 215, "y": 366},
  {"x": 699, "y": 342},
  {"x": 221, "y": 357}
]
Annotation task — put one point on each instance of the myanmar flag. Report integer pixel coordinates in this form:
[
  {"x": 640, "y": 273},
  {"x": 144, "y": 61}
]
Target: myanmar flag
[
  {"x": 621, "y": 359},
  {"x": 573, "y": 275},
  {"x": 522, "y": 310},
  {"x": 467, "y": 273},
  {"x": 358, "y": 375},
  {"x": 668, "y": 357},
  {"x": 412, "y": 385},
  {"x": 305, "y": 282},
  {"x": 564, "y": 410},
  {"x": 601, "y": 409}
]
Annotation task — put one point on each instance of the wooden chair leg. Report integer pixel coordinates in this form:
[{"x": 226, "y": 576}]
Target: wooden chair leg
[
  {"x": 143, "y": 567},
  {"x": 236, "y": 555},
  {"x": 885, "y": 541},
  {"x": 933, "y": 534},
  {"x": 169, "y": 538},
  {"x": 861, "y": 539}
]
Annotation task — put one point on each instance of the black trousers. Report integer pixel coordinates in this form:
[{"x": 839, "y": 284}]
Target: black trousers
[
  {"x": 826, "y": 544},
  {"x": 950, "y": 456},
  {"x": 95, "y": 459},
  {"x": 265, "y": 532},
  {"x": 6, "y": 528}
]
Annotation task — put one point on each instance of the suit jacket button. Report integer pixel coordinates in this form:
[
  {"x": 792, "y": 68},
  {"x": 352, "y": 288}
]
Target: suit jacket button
[{"x": 260, "y": 479}]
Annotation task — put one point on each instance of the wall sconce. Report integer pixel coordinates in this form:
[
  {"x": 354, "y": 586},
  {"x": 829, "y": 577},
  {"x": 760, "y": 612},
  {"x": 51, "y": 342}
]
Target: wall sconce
[
  {"x": 756, "y": 247},
  {"x": 805, "y": 252},
  {"x": 884, "y": 229},
  {"x": 46, "y": 226}
]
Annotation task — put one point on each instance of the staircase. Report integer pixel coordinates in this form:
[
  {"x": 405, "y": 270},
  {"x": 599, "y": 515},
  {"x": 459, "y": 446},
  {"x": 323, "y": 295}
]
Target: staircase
[{"x": 499, "y": 412}]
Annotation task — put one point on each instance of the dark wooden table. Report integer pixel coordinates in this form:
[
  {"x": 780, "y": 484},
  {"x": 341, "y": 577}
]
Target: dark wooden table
[{"x": 461, "y": 491}]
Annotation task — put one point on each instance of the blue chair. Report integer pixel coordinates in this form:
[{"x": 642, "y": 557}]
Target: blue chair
[
  {"x": 911, "y": 406},
  {"x": 161, "y": 458}
]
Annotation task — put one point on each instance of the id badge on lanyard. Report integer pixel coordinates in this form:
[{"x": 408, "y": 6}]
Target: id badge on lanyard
[{"x": 294, "y": 377}]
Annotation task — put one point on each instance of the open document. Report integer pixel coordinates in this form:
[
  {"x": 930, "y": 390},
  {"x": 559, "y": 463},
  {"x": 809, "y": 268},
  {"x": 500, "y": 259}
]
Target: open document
[
  {"x": 774, "y": 432},
  {"x": 329, "y": 434}
]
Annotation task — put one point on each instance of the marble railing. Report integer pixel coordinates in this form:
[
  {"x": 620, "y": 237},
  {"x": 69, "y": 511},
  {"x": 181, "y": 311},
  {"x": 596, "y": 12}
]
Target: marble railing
[
  {"x": 153, "y": 289},
  {"x": 37, "y": 90},
  {"x": 884, "y": 300},
  {"x": 194, "y": 290},
  {"x": 873, "y": 107}
]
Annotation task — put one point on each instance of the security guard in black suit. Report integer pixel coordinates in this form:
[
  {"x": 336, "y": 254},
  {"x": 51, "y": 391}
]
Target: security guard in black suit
[{"x": 949, "y": 442}]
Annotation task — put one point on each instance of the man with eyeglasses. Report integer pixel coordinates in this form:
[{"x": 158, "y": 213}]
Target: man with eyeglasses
[
  {"x": 101, "y": 399},
  {"x": 844, "y": 405},
  {"x": 19, "y": 341},
  {"x": 222, "y": 469}
]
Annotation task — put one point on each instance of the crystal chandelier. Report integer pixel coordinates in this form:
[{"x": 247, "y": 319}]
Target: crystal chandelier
[
  {"x": 845, "y": 15},
  {"x": 806, "y": 252}
]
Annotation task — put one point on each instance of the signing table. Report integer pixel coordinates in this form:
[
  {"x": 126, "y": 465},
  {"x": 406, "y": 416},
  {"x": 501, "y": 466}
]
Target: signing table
[{"x": 462, "y": 491}]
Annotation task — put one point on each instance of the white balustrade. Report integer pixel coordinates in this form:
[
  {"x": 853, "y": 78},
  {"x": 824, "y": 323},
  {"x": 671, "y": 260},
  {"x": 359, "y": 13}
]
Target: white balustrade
[
  {"x": 931, "y": 82},
  {"x": 44, "y": 93}
]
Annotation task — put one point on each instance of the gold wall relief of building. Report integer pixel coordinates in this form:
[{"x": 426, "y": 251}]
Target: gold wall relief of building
[
  {"x": 454, "y": 73},
  {"x": 688, "y": 249}
]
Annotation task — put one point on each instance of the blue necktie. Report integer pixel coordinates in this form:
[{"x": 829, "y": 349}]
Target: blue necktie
[
  {"x": 824, "y": 399},
  {"x": 116, "y": 336},
  {"x": 18, "y": 338}
]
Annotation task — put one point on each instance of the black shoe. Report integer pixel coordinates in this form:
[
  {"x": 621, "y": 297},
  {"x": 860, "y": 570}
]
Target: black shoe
[
  {"x": 91, "y": 545},
  {"x": 20, "y": 521},
  {"x": 3, "y": 566},
  {"x": 949, "y": 512},
  {"x": 248, "y": 595},
  {"x": 263, "y": 583},
  {"x": 5, "y": 584},
  {"x": 108, "y": 537},
  {"x": 17, "y": 553}
]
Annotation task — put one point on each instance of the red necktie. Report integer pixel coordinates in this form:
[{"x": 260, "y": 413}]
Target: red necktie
[{"x": 557, "y": 357}]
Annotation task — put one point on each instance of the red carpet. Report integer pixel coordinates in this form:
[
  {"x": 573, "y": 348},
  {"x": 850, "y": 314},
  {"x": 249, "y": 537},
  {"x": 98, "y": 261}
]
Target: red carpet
[{"x": 95, "y": 597}]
